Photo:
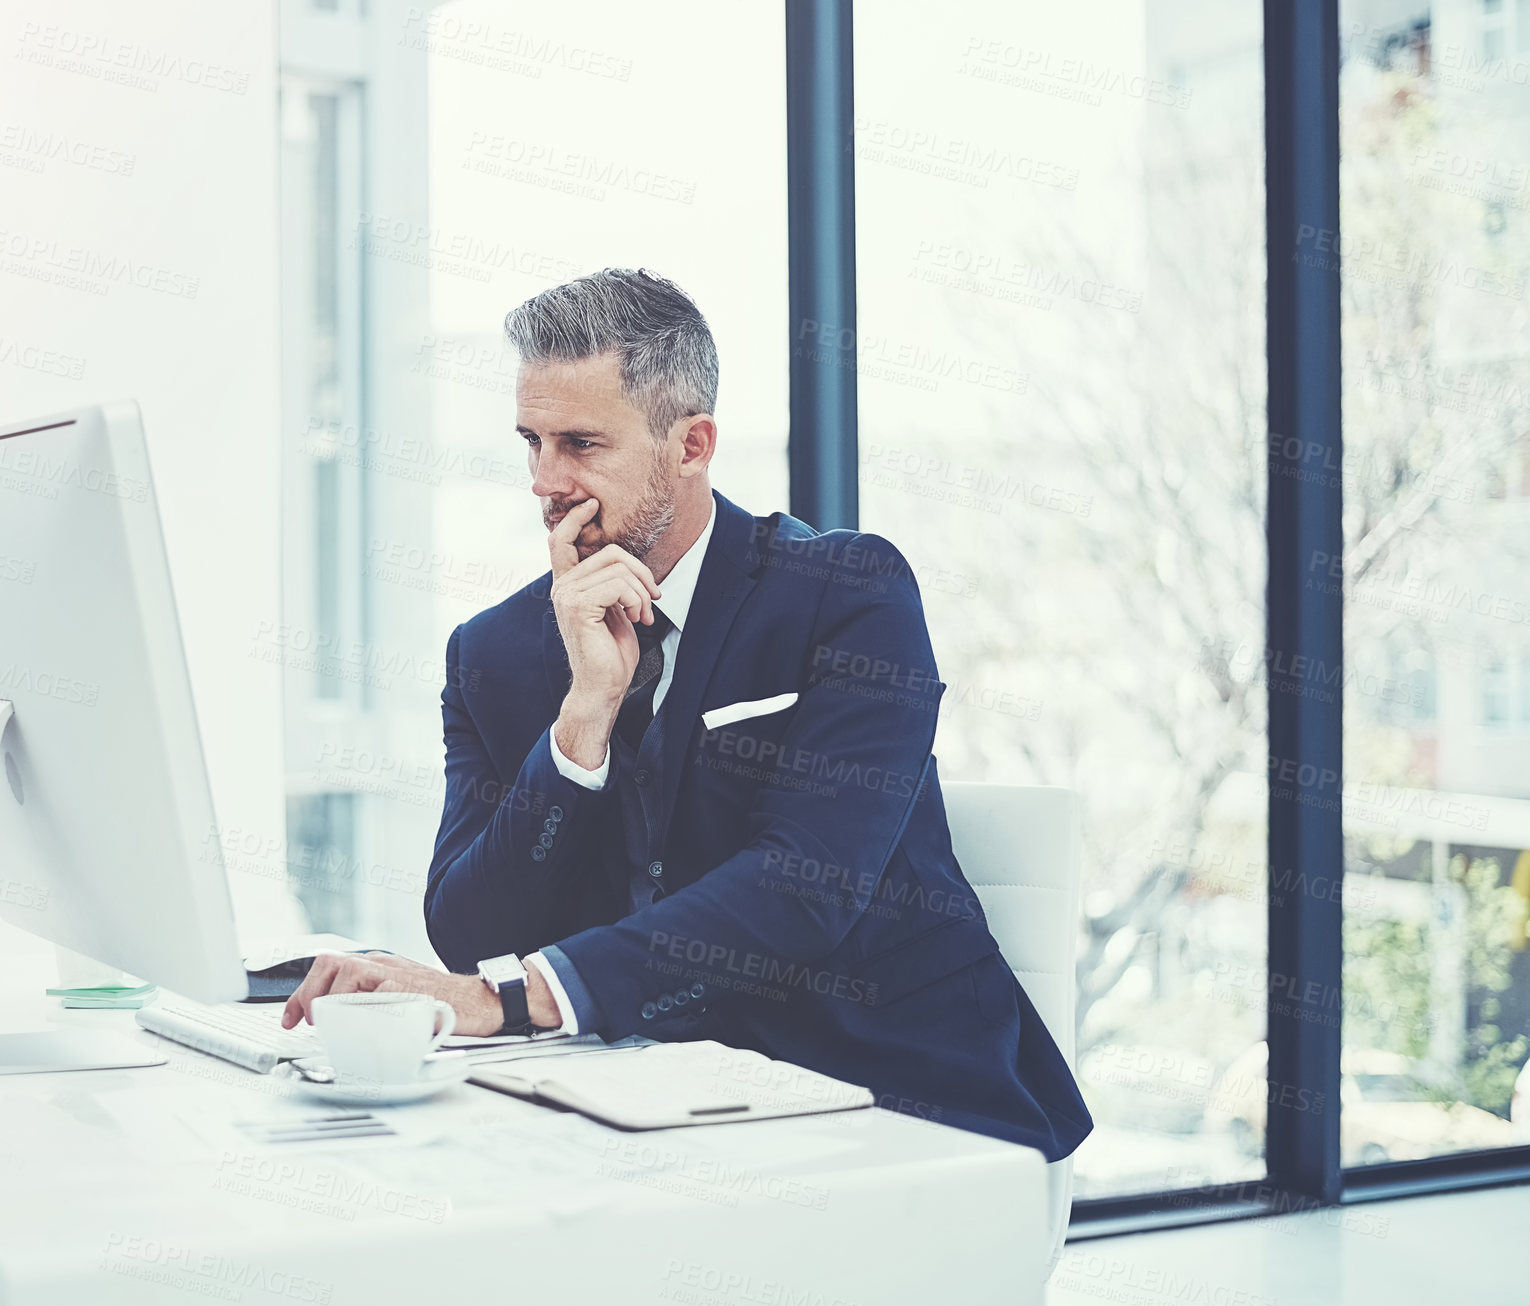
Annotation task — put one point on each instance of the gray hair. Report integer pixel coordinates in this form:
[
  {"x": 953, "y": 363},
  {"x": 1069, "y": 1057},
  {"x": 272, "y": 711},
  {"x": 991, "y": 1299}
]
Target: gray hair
[{"x": 663, "y": 344}]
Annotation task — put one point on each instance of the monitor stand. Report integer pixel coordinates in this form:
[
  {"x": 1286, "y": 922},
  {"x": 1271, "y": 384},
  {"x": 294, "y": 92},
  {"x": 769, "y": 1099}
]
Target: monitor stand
[
  {"x": 46, "y": 1051},
  {"x": 27, "y": 968}
]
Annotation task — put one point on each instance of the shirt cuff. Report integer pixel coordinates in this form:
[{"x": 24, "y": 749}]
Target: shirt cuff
[
  {"x": 576, "y": 1004},
  {"x": 566, "y": 1013},
  {"x": 595, "y": 779}
]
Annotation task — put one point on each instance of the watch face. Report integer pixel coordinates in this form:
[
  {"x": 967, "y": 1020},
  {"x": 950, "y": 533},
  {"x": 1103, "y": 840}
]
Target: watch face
[{"x": 503, "y": 970}]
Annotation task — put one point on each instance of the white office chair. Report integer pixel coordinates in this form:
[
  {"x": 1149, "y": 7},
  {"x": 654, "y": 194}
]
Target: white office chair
[{"x": 1020, "y": 848}]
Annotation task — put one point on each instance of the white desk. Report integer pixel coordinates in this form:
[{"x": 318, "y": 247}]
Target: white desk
[{"x": 134, "y": 1186}]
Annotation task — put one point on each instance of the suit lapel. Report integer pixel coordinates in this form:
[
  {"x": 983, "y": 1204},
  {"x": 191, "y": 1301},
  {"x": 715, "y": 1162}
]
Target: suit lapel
[
  {"x": 554, "y": 655},
  {"x": 726, "y": 579}
]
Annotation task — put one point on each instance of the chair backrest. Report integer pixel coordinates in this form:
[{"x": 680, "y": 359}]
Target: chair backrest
[{"x": 1019, "y": 846}]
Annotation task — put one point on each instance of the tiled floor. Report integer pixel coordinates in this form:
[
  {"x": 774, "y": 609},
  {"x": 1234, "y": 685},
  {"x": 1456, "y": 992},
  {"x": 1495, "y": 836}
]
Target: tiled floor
[{"x": 1457, "y": 1249}]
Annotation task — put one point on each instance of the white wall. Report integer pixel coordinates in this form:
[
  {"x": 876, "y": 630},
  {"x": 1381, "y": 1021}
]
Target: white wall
[{"x": 142, "y": 140}]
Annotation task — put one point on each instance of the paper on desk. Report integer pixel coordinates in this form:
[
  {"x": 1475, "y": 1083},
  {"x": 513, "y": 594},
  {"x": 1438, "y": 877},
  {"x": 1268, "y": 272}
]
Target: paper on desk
[
  {"x": 103, "y": 991},
  {"x": 469, "y": 1042},
  {"x": 239, "y": 1127},
  {"x": 491, "y": 1053},
  {"x": 110, "y": 996},
  {"x": 263, "y": 953},
  {"x": 105, "y": 1004}
]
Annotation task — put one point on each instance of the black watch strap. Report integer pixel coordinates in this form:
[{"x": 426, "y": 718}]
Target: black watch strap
[{"x": 512, "y": 1001}]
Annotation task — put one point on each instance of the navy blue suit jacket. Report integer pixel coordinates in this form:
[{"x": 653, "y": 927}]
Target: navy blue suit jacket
[{"x": 812, "y": 908}]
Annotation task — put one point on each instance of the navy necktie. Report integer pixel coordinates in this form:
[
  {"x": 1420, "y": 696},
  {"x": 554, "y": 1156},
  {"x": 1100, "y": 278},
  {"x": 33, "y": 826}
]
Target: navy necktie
[{"x": 637, "y": 708}]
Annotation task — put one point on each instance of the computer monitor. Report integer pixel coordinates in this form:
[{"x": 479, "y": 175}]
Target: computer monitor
[{"x": 108, "y": 839}]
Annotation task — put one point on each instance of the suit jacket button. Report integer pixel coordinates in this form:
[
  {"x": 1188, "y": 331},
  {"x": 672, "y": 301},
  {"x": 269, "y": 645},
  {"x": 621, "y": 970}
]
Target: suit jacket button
[
  {"x": 697, "y": 990},
  {"x": 682, "y": 996},
  {"x": 545, "y": 840},
  {"x": 641, "y": 775},
  {"x": 656, "y": 869},
  {"x": 666, "y": 1002},
  {"x": 539, "y": 853},
  {"x": 550, "y": 825},
  {"x": 555, "y": 813},
  {"x": 649, "y": 1011}
]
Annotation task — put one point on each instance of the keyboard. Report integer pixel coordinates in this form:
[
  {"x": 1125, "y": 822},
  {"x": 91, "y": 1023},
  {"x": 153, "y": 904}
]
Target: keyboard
[{"x": 251, "y": 1036}]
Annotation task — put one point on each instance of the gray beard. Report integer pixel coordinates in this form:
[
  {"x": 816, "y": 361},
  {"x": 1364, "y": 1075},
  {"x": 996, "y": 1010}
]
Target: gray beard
[{"x": 651, "y": 518}]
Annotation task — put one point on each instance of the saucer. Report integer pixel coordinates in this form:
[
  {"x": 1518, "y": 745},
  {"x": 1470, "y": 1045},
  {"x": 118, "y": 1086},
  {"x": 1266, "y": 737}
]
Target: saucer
[{"x": 444, "y": 1075}]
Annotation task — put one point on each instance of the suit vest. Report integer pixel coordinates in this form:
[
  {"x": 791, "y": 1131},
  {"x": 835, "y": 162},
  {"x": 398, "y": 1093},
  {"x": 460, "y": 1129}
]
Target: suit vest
[{"x": 640, "y": 790}]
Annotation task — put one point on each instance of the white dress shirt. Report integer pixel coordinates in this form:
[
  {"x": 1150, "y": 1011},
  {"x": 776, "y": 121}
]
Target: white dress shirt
[{"x": 679, "y": 588}]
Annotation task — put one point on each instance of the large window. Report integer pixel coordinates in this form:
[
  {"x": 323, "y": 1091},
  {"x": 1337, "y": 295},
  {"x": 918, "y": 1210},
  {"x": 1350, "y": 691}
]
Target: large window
[
  {"x": 1060, "y": 242},
  {"x": 545, "y": 163},
  {"x": 325, "y": 486},
  {"x": 442, "y": 163},
  {"x": 1435, "y": 176}
]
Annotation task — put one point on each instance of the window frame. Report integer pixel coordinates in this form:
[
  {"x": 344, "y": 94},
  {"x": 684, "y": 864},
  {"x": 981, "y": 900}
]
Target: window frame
[{"x": 1303, "y": 523}]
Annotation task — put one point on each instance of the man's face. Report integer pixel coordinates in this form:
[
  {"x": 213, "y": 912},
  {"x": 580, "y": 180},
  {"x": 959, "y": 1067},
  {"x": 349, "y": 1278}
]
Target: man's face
[{"x": 585, "y": 440}]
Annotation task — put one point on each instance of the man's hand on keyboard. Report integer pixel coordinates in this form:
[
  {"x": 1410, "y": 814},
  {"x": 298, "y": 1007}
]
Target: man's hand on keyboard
[{"x": 478, "y": 1010}]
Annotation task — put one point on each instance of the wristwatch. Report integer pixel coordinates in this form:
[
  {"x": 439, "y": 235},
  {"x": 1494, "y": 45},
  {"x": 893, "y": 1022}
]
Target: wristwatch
[{"x": 506, "y": 976}]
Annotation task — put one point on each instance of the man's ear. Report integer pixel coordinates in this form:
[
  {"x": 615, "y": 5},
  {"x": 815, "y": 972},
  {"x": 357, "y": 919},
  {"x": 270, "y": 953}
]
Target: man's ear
[{"x": 698, "y": 442}]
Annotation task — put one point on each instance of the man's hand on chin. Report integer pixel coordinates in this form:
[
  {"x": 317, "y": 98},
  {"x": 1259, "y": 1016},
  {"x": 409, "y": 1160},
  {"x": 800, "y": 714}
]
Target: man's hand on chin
[{"x": 478, "y": 1010}]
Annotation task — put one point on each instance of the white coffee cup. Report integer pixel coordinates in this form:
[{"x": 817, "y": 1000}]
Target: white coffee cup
[{"x": 380, "y": 1038}]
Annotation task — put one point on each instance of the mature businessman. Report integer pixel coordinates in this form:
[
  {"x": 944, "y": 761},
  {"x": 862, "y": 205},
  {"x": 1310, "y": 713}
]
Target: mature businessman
[{"x": 688, "y": 772}]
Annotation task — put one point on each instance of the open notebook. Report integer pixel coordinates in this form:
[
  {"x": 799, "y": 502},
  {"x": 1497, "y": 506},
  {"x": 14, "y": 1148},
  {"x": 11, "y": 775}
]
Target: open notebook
[{"x": 664, "y": 1085}]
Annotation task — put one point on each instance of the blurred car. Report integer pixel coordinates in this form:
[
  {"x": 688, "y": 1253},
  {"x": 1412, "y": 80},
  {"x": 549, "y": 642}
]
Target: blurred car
[
  {"x": 1389, "y": 1110},
  {"x": 1519, "y": 1104},
  {"x": 1161, "y": 1090}
]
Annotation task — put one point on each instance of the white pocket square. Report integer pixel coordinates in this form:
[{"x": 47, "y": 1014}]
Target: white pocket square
[{"x": 726, "y": 716}]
